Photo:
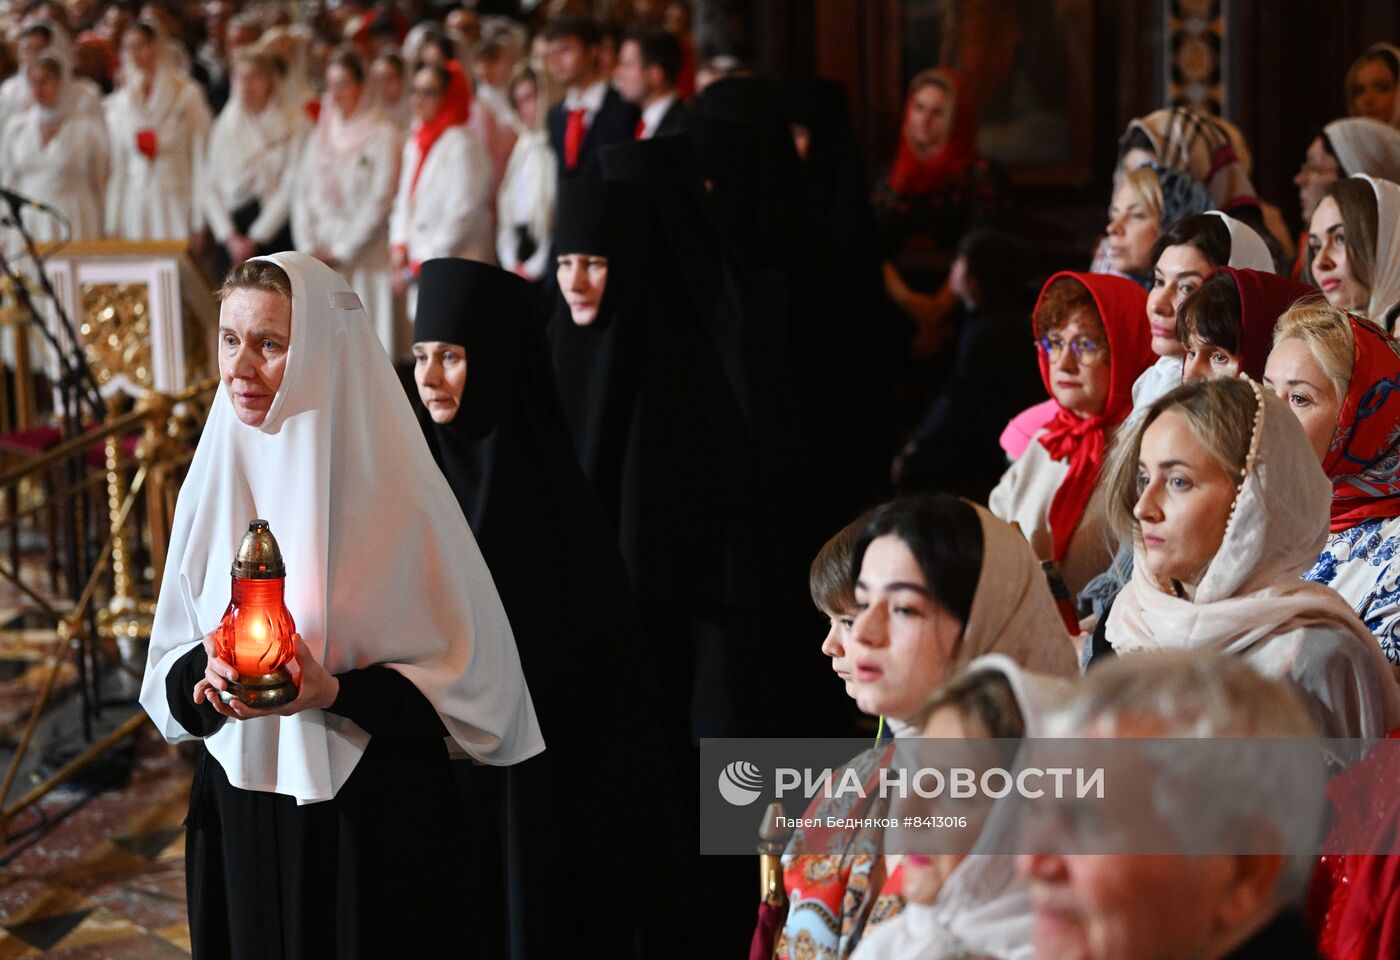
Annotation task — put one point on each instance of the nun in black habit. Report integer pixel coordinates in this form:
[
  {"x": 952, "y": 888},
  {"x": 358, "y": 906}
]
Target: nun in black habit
[{"x": 568, "y": 821}]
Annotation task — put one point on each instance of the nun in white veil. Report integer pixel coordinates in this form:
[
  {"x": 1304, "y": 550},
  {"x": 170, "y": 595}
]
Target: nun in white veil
[{"x": 328, "y": 827}]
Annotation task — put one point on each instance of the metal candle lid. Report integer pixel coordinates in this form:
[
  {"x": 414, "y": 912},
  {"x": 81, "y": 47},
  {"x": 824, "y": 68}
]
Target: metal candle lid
[{"x": 258, "y": 555}]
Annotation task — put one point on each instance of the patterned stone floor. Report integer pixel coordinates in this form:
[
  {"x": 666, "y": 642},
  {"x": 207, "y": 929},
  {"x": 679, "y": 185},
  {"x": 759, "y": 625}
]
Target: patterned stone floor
[{"x": 101, "y": 875}]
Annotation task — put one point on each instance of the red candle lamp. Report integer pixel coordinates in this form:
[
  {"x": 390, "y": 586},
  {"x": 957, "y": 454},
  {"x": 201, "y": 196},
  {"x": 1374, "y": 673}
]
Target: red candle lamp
[{"x": 256, "y": 633}]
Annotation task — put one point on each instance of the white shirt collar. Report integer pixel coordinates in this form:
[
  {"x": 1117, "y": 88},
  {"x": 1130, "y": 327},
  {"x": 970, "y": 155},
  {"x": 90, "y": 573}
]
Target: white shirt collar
[
  {"x": 590, "y": 100},
  {"x": 652, "y": 115}
]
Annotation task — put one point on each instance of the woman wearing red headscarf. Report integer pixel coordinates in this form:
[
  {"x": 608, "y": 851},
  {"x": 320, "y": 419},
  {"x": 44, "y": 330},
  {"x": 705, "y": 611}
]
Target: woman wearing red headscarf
[
  {"x": 1341, "y": 377},
  {"x": 1226, "y": 325},
  {"x": 938, "y": 188},
  {"x": 1093, "y": 345},
  {"x": 444, "y": 206}
]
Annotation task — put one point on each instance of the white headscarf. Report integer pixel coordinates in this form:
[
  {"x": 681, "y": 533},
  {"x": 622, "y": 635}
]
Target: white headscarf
[
  {"x": 983, "y": 908},
  {"x": 381, "y": 565},
  {"x": 244, "y": 160},
  {"x": 1363, "y": 145},
  {"x": 1385, "y": 283},
  {"x": 1251, "y": 601},
  {"x": 339, "y": 140},
  {"x": 166, "y": 79},
  {"x": 1247, "y": 248}
]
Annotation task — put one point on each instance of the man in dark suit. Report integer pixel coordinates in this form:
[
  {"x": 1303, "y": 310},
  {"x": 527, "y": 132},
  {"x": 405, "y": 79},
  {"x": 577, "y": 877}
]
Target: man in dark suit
[
  {"x": 591, "y": 115},
  {"x": 647, "y": 67}
]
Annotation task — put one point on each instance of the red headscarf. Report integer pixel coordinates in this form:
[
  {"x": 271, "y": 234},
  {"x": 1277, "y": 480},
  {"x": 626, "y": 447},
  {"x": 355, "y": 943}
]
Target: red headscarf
[
  {"x": 1122, "y": 306},
  {"x": 455, "y": 109},
  {"x": 1364, "y": 458},
  {"x": 1264, "y": 298},
  {"x": 913, "y": 177}
]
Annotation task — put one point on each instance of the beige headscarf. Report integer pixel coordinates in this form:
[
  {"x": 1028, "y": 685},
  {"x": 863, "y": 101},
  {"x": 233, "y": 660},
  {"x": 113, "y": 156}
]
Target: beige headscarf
[
  {"x": 1251, "y": 601},
  {"x": 1210, "y": 149}
]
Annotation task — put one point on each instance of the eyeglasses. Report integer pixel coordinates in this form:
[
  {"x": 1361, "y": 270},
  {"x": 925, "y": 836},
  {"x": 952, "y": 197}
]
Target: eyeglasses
[{"x": 1086, "y": 351}]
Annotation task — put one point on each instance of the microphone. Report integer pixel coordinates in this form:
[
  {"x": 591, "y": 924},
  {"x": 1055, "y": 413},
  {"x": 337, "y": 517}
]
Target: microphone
[{"x": 17, "y": 200}]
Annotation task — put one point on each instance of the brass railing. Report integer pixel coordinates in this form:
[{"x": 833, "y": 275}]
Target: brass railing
[{"x": 106, "y": 608}]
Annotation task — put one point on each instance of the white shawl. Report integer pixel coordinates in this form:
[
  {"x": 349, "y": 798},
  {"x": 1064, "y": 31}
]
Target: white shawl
[
  {"x": 381, "y": 565},
  {"x": 1247, "y": 248},
  {"x": 1385, "y": 284}
]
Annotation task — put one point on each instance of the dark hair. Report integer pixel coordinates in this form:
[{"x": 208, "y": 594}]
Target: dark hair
[
  {"x": 389, "y": 56},
  {"x": 945, "y": 537},
  {"x": 348, "y": 59},
  {"x": 995, "y": 261},
  {"x": 985, "y": 696},
  {"x": 38, "y": 28},
  {"x": 1136, "y": 139},
  {"x": 830, "y": 581},
  {"x": 1327, "y": 145},
  {"x": 443, "y": 44},
  {"x": 1356, "y": 201},
  {"x": 582, "y": 28},
  {"x": 1211, "y": 313},
  {"x": 658, "y": 49},
  {"x": 444, "y": 76},
  {"x": 1205, "y": 232},
  {"x": 145, "y": 27}
]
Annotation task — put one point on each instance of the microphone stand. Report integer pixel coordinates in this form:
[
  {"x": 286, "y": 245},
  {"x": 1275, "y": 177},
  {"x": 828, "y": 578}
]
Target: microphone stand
[{"x": 77, "y": 387}]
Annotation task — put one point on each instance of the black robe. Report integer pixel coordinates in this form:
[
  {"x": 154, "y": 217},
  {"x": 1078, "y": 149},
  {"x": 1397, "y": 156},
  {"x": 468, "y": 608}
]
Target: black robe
[
  {"x": 373, "y": 872},
  {"x": 604, "y": 783}
]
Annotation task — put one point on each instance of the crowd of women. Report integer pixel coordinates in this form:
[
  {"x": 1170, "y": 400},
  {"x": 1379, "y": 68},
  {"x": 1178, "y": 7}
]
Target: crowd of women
[{"x": 666, "y": 340}]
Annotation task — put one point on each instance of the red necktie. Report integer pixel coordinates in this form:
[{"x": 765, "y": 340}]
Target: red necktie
[
  {"x": 573, "y": 138},
  {"x": 641, "y": 129}
]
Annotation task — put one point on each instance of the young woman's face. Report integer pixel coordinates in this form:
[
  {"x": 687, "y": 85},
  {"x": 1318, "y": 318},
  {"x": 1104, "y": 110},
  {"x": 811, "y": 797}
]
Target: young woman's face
[
  {"x": 343, "y": 89},
  {"x": 140, "y": 50},
  {"x": 1184, "y": 500},
  {"x": 1079, "y": 363},
  {"x": 1318, "y": 170},
  {"x": 837, "y": 645},
  {"x": 255, "y": 87},
  {"x": 440, "y": 370},
  {"x": 387, "y": 81},
  {"x": 1132, "y": 230},
  {"x": 903, "y": 639},
  {"x": 1204, "y": 361},
  {"x": 255, "y": 333},
  {"x": 427, "y": 95},
  {"x": 1295, "y": 376},
  {"x": 1331, "y": 264},
  {"x": 526, "y": 97},
  {"x": 1179, "y": 270},
  {"x": 1372, "y": 91},
  {"x": 928, "y": 120},
  {"x": 582, "y": 280}
]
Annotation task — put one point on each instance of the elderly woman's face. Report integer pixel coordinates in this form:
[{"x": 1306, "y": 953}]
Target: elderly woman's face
[
  {"x": 255, "y": 332},
  {"x": 1077, "y": 352},
  {"x": 903, "y": 639},
  {"x": 440, "y": 370}
]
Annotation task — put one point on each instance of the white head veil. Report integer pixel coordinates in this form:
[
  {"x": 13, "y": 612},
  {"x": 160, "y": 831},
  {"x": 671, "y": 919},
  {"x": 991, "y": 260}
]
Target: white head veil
[
  {"x": 381, "y": 565},
  {"x": 1363, "y": 145},
  {"x": 1247, "y": 248},
  {"x": 984, "y": 907},
  {"x": 1385, "y": 283}
]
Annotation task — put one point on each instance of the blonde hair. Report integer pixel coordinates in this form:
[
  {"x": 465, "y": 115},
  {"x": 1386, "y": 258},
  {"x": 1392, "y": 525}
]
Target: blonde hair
[
  {"x": 256, "y": 275},
  {"x": 1327, "y": 333},
  {"x": 1146, "y": 187},
  {"x": 1221, "y": 414}
]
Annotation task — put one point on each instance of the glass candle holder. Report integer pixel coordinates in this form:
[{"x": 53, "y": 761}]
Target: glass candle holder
[{"x": 256, "y": 634}]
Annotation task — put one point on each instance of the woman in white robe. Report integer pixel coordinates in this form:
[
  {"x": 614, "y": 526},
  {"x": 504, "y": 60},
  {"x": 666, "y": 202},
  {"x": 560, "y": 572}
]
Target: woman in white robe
[
  {"x": 254, "y": 149},
  {"x": 55, "y": 155},
  {"x": 158, "y": 123},
  {"x": 525, "y": 203},
  {"x": 443, "y": 206},
  {"x": 340, "y": 209}
]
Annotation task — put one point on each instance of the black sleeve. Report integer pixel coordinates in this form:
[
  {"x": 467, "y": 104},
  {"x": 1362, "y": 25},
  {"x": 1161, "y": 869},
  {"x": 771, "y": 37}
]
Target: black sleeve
[
  {"x": 1100, "y": 650},
  {"x": 385, "y": 703},
  {"x": 200, "y": 719}
]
